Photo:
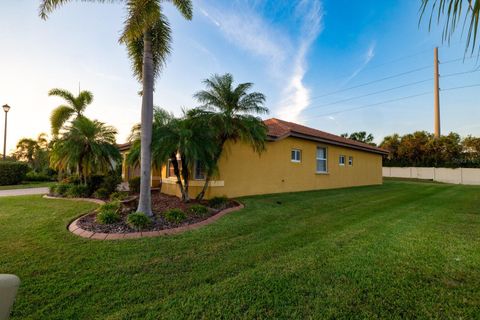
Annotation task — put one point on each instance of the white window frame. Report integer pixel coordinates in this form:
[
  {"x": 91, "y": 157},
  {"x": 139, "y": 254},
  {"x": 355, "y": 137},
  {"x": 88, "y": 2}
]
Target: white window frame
[
  {"x": 350, "y": 161},
  {"x": 340, "y": 163},
  {"x": 195, "y": 164},
  {"x": 297, "y": 152},
  {"x": 322, "y": 159}
]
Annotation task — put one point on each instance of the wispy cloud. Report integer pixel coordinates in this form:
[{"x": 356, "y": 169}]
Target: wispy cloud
[
  {"x": 285, "y": 54},
  {"x": 296, "y": 96},
  {"x": 369, "y": 55}
]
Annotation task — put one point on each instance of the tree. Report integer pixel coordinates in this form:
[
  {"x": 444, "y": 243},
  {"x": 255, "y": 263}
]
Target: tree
[
  {"x": 391, "y": 143},
  {"x": 455, "y": 12},
  {"x": 147, "y": 36},
  {"x": 34, "y": 152},
  {"x": 74, "y": 106},
  {"x": 360, "y": 136},
  {"x": 89, "y": 146},
  {"x": 230, "y": 111},
  {"x": 181, "y": 141}
]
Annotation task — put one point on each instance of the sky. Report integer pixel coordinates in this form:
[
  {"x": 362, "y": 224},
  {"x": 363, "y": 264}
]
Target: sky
[{"x": 327, "y": 64}]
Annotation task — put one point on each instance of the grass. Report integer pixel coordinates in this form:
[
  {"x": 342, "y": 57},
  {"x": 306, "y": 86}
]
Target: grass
[
  {"x": 28, "y": 185},
  {"x": 401, "y": 250}
]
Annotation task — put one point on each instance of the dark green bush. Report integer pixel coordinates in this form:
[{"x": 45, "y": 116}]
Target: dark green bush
[
  {"x": 94, "y": 182},
  {"x": 53, "y": 190},
  {"x": 138, "y": 220},
  {"x": 134, "y": 185},
  {"x": 218, "y": 202},
  {"x": 101, "y": 193},
  {"x": 118, "y": 195},
  {"x": 174, "y": 215},
  {"x": 62, "y": 189},
  {"x": 110, "y": 206},
  {"x": 12, "y": 172},
  {"x": 78, "y": 191},
  {"x": 111, "y": 182},
  {"x": 35, "y": 176},
  {"x": 198, "y": 210},
  {"x": 108, "y": 217}
]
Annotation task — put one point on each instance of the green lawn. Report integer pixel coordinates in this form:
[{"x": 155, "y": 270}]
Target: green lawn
[
  {"x": 28, "y": 185},
  {"x": 401, "y": 250}
]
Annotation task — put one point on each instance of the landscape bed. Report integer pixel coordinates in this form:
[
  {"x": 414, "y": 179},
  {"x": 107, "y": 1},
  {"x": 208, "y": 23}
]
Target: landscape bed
[
  {"x": 396, "y": 251},
  {"x": 160, "y": 204}
]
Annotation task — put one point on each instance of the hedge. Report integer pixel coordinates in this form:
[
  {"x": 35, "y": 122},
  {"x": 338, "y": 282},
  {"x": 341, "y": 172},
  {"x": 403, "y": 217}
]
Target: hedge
[{"x": 12, "y": 172}]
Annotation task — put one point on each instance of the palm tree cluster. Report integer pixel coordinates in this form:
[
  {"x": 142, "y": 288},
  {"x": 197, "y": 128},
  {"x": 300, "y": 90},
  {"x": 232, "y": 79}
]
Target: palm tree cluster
[
  {"x": 198, "y": 137},
  {"x": 81, "y": 145},
  {"x": 34, "y": 152}
]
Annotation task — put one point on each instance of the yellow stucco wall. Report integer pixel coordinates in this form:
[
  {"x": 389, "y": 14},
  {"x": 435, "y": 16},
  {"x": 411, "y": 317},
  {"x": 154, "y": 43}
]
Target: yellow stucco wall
[{"x": 243, "y": 172}]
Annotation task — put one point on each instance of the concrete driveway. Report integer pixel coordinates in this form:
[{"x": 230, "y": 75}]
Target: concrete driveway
[{"x": 23, "y": 192}]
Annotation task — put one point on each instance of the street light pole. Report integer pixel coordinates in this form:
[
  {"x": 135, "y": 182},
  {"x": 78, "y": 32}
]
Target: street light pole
[{"x": 6, "y": 108}]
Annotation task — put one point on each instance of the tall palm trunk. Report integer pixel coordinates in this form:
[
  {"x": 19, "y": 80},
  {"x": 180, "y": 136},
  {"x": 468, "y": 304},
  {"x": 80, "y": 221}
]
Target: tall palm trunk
[{"x": 145, "y": 200}]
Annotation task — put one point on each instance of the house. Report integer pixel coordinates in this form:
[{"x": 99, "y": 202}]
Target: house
[{"x": 297, "y": 158}]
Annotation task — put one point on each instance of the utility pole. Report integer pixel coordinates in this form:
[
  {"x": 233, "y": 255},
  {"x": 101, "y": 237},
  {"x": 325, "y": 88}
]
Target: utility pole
[{"x": 436, "y": 93}]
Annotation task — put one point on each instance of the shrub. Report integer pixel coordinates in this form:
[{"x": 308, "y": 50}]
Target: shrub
[
  {"x": 12, "y": 172},
  {"x": 34, "y": 176},
  {"x": 174, "y": 215},
  {"x": 110, "y": 206},
  {"x": 118, "y": 195},
  {"x": 218, "y": 202},
  {"x": 111, "y": 183},
  {"x": 138, "y": 220},
  {"x": 94, "y": 182},
  {"x": 108, "y": 217},
  {"x": 53, "y": 190},
  {"x": 73, "y": 179},
  {"x": 62, "y": 189},
  {"x": 198, "y": 210},
  {"x": 101, "y": 193},
  {"x": 78, "y": 191},
  {"x": 134, "y": 184}
]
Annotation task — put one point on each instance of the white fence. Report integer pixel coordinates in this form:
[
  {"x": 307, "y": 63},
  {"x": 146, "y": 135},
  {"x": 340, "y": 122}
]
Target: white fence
[{"x": 457, "y": 176}]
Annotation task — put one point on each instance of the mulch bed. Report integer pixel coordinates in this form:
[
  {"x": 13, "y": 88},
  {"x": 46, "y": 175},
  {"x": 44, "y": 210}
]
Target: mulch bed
[{"x": 160, "y": 203}]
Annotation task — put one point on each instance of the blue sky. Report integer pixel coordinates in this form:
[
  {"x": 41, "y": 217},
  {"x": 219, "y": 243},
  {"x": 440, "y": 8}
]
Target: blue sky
[{"x": 295, "y": 52}]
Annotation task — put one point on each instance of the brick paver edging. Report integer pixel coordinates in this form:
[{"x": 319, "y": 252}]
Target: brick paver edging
[{"x": 76, "y": 229}]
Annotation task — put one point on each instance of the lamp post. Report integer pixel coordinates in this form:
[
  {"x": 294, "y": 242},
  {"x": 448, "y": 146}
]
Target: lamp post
[{"x": 6, "y": 108}]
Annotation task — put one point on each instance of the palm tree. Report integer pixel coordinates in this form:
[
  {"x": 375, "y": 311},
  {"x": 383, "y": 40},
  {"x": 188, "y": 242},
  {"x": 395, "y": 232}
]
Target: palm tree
[
  {"x": 147, "y": 35},
  {"x": 74, "y": 106},
  {"x": 34, "y": 152},
  {"x": 88, "y": 146},
  {"x": 456, "y": 11},
  {"x": 230, "y": 111},
  {"x": 185, "y": 138}
]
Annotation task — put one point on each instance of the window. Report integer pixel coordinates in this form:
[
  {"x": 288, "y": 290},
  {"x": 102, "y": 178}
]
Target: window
[
  {"x": 321, "y": 159},
  {"x": 296, "y": 155},
  {"x": 171, "y": 170},
  {"x": 199, "y": 170},
  {"x": 341, "y": 160},
  {"x": 350, "y": 161}
]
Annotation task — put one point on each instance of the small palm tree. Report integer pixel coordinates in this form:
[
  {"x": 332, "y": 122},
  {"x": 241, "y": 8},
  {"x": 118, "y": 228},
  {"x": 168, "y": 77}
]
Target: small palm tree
[
  {"x": 89, "y": 146},
  {"x": 75, "y": 106},
  {"x": 457, "y": 12},
  {"x": 185, "y": 137},
  {"x": 230, "y": 112}
]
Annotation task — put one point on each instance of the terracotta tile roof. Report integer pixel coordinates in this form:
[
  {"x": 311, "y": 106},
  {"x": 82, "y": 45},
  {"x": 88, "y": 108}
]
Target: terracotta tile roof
[{"x": 278, "y": 129}]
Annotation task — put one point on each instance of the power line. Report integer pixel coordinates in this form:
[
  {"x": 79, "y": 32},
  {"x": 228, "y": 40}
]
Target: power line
[
  {"x": 366, "y": 83},
  {"x": 369, "y": 94},
  {"x": 371, "y": 105},
  {"x": 391, "y": 100},
  {"x": 460, "y": 73}
]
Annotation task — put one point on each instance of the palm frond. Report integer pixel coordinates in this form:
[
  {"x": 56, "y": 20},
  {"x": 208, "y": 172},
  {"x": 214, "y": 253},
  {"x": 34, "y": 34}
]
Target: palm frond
[
  {"x": 185, "y": 7},
  {"x": 83, "y": 100},
  {"x": 62, "y": 93},
  {"x": 59, "y": 116},
  {"x": 48, "y": 6},
  {"x": 454, "y": 11}
]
